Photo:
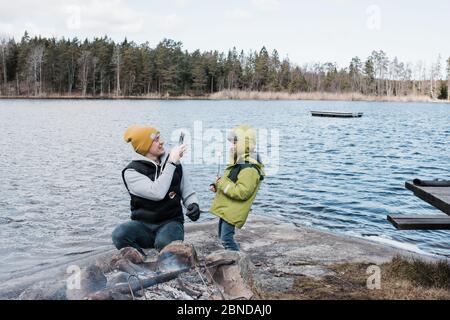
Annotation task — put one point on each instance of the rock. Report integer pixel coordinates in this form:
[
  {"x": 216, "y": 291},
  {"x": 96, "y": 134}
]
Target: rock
[
  {"x": 44, "y": 291},
  {"x": 282, "y": 253},
  {"x": 266, "y": 282},
  {"x": 176, "y": 256},
  {"x": 128, "y": 253},
  {"x": 235, "y": 280},
  {"x": 91, "y": 280}
]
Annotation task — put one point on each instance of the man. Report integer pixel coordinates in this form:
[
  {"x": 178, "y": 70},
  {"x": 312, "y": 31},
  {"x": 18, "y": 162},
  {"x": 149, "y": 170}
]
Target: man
[{"x": 157, "y": 185}]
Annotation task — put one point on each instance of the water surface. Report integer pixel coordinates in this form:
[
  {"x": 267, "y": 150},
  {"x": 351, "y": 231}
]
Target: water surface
[{"x": 62, "y": 194}]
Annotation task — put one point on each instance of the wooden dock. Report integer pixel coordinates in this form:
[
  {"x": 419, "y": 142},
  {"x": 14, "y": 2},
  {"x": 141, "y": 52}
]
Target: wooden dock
[
  {"x": 328, "y": 114},
  {"x": 423, "y": 222},
  {"x": 438, "y": 197}
]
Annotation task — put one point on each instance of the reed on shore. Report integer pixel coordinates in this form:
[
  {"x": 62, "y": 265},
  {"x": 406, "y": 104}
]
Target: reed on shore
[
  {"x": 244, "y": 95},
  {"x": 326, "y": 96}
]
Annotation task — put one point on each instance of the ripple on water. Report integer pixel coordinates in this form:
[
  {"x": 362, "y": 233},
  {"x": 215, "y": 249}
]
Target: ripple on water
[{"x": 344, "y": 176}]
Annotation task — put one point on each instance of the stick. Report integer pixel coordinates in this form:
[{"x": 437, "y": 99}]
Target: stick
[
  {"x": 219, "y": 155},
  {"x": 107, "y": 294},
  {"x": 146, "y": 282}
]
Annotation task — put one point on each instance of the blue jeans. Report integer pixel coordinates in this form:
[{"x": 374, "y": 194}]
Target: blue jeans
[
  {"x": 226, "y": 235},
  {"x": 141, "y": 235}
]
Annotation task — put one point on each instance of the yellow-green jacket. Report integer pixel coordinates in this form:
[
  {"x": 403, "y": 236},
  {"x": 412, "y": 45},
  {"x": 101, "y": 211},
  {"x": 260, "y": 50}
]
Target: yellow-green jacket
[{"x": 233, "y": 200}]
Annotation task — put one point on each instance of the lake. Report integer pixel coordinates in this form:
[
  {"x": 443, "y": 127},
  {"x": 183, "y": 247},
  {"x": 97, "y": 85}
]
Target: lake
[{"x": 62, "y": 193}]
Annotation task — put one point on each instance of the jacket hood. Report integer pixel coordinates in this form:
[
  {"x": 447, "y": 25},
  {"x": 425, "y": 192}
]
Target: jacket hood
[{"x": 245, "y": 138}]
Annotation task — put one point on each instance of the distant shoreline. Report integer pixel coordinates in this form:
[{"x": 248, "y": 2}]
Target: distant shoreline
[{"x": 244, "y": 95}]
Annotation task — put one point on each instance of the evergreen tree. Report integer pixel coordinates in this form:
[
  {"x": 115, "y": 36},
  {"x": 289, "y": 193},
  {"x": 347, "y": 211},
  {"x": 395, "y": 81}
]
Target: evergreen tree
[
  {"x": 199, "y": 73},
  {"x": 262, "y": 69},
  {"x": 369, "y": 72},
  {"x": 355, "y": 73},
  {"x": 274, "y": 72},
  {"x": 38, "y": 66},
  {"x": 443, "y": 91}
]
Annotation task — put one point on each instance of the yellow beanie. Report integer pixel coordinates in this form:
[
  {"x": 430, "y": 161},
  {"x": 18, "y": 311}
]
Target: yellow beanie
[{"x": 141, "y": 138}]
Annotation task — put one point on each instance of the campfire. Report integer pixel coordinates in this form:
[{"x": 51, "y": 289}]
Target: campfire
[{"x": 176, "y": 273}]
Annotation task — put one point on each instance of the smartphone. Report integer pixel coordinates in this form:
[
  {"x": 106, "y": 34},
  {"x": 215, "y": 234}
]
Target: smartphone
[{"x": 180, "y": 142}]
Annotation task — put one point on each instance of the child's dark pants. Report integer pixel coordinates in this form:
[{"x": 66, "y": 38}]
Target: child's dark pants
[{"x": 226, "y": 235}]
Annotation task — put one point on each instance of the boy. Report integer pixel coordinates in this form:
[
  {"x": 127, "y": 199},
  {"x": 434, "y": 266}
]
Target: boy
[{"x": 237, "y": 189}]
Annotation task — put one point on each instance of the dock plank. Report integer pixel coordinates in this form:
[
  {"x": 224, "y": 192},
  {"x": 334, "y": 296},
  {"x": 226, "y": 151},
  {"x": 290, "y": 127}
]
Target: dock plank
[
  {"x": 329, "y": 114},
  {"x": 439, "y": 197},
  {"x": 420, "y": 222}
]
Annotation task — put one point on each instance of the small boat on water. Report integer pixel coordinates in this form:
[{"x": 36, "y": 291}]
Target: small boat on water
[{"x": 336, "y": 114}]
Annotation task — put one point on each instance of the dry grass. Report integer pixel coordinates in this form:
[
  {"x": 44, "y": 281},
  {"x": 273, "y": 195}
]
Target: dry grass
[
  {"x": 257, "y": 95},
  {"x": 401, "y": 279},
  {"x": 425, "y": 274},
  {"x": 243, "y": 95},
  {"x": 152, "y": 96}
]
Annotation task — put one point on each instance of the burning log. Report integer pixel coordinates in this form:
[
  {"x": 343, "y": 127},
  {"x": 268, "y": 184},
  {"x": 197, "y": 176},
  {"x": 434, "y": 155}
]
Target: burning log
[
  {"x": 173, "y": 260},
  {"x": 131, "y": 268},
  {"x": 135, "y": 275},
  {"x": 143, "y": 283},
  {"x": 165, "y": 276},
  {"x": 136, "y": 286}
]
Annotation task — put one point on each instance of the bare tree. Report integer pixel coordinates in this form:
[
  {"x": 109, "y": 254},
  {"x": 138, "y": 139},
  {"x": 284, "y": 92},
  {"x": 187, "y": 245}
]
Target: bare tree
[
  {"x": 406, "y": 79},
  {"x": 435, "y": 76},
  {"x": 381, "y": 63},
  {"x": 4, "y": 51},
  {"x": 396, "y": 73},
  {"x": 448, "y": 79},
  {"x": 94, "y": 73},
  {"x": 421, "y": 75},
  {"x": 71, "y": 68},
  {"x": 35, "y": 61},
  {"x": 84, "y": 62},
  {"x": 318, "y": 69},
  {"x": 117, "y": 61},
  {"x": 355, "y": 72}
]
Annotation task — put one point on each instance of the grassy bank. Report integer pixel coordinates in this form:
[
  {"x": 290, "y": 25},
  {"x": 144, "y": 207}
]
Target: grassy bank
[
  {"x": 325, "y": 96},
  {"x": 247, "y": 95},
  {"x": 401, "y": 279},
  {"x": 105, "y": 97}
]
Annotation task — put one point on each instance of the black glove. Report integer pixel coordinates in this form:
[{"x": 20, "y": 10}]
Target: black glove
[{"x": 193, "y": 211}]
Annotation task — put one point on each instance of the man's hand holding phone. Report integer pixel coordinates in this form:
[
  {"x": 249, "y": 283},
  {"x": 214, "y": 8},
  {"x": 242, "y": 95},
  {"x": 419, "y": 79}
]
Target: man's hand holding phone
[
  {"x": 181, "y": 140},
  {"x": 177, "y": 153}
]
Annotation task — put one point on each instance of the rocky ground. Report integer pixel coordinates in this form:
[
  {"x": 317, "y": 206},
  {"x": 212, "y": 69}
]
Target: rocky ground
[
  {"x": 296, "y": 262},
  {"x": 278, "y": 261}
]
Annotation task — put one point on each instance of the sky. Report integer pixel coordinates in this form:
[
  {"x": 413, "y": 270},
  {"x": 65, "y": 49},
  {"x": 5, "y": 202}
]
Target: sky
[{"x": 303, "y": 31}]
